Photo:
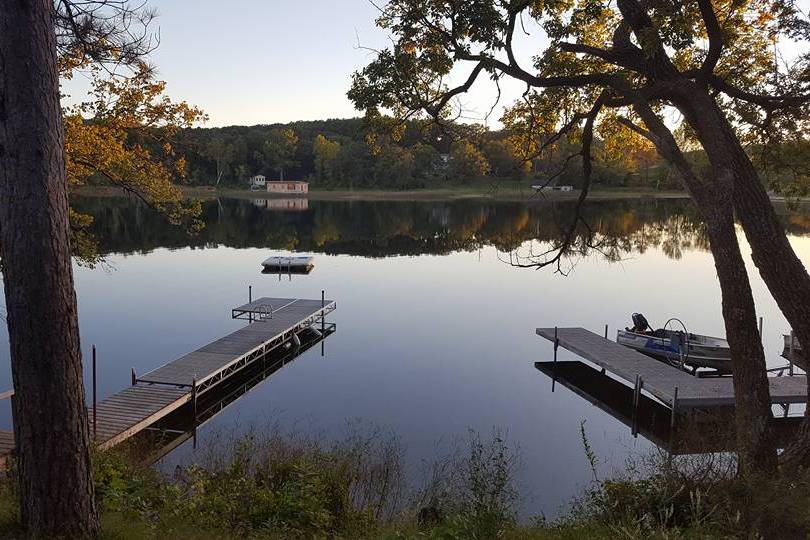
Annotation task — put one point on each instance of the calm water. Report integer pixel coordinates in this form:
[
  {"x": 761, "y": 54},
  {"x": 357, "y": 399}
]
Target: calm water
[{"x": 435, "y": 331}]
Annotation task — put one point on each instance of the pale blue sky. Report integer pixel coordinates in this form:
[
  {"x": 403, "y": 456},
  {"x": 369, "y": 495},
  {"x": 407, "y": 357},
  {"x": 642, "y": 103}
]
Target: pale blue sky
[
  {"x": 258, "y": 62},
  {"x": 252, "y": 62}
]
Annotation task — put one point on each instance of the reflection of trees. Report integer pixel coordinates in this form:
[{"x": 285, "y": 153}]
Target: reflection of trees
[{"x": 378, "y": 229}]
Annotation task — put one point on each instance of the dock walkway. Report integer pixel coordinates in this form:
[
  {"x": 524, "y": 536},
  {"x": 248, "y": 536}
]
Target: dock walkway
[
  {"x": 161, "y": 391},
  {"x": 661, "y": 380}
]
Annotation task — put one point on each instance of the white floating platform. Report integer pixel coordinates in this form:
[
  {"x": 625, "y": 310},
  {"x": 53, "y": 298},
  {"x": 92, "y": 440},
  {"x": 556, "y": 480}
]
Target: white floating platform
[{"x": 289, "y": 264}]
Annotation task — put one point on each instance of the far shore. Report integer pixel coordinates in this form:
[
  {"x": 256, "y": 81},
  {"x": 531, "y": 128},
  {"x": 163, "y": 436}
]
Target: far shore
[{"x": 509, "y": 194}]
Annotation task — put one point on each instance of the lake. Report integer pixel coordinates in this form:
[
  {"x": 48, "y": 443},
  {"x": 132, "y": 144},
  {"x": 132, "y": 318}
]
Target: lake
[{"x": 435, "y": 327}]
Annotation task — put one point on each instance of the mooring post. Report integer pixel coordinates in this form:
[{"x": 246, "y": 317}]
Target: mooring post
[
  {"x": 250, "y": 294},
  {"x": 760, "y": 328},
  {"x": 134, "y": 377},
  {"x": 95, "y": 416},
  {"x": 606, "y": 331}
]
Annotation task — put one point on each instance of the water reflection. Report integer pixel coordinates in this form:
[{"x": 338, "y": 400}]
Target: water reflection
[
  {"x": 388, "y": 228},
  {"x": 692, "y": 431},
  {"x": 432, "y": 343}
]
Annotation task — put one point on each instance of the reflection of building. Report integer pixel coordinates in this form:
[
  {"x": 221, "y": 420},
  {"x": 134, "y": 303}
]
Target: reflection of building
[
  {"x": 287, "y": 187},
  {"x": 294, "y": 205},
  {"x": 284, "y": 205},
  {"x": 258, "y": 181}
]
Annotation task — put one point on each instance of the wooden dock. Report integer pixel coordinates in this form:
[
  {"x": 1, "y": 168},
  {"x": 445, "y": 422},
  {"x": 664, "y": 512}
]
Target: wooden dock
[
  {"x": 276, "y": 322},
  {"x": 666, "y": 383}
]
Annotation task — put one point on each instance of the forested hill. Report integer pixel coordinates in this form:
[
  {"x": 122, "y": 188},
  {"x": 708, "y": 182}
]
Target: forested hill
[{"x": 348, "y": 153}]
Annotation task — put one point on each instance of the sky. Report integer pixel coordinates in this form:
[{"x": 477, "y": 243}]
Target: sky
[{"x": 249, "y": 62}]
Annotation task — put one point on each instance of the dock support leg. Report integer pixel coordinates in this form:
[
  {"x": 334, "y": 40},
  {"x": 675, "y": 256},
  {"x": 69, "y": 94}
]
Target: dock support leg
[
  {"x": 636, "y": 398},
  {"x": 323, "y": 320},
  {"x": 134, "y": 377},
  {"x": 674, "y": 413},
  {"x": 95, "y": 403},
  {"x": 194, "y": 409},
  {"x": 554, "y": 366}
]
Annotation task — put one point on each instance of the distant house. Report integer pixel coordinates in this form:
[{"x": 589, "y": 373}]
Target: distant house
[
  {"x": 258, "y": 181},
  {"x": 288, "y": 187}
]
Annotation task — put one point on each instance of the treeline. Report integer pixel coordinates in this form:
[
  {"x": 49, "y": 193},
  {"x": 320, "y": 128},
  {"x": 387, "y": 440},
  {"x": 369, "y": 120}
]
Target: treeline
[
  {"x": 352, "y": 153},
  {"x": 392, "y": 228}
]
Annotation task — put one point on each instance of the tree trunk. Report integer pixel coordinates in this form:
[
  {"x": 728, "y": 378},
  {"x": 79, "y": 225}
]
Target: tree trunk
[
  {"x": 50, "y": 417},
  {"x": 779, "y": 266},
  {"x": 755, "y": 446}
]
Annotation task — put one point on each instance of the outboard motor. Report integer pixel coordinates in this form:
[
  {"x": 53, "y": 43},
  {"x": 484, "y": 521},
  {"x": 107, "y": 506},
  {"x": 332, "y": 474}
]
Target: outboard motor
[{"x": 640, "y": 323}]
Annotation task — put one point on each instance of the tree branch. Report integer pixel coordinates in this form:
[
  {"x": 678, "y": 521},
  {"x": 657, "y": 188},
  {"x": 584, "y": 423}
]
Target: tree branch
[{"x": 715, "y": 34}]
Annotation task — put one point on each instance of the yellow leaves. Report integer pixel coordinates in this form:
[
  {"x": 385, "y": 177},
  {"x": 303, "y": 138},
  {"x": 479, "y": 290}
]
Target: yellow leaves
[
  {"x": 622, "y": 146},
  {"x": 122, "y": 136}
]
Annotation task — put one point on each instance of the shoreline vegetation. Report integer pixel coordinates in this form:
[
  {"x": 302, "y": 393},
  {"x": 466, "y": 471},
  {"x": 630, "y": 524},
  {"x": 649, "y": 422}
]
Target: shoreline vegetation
[
  {"x": 289, "y": 485},
  {"x": 510, "y": 193}
]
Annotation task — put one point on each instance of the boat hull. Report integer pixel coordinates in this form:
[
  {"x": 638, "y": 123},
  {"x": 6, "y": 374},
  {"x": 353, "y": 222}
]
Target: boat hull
[{"x": 700, "y": 352}]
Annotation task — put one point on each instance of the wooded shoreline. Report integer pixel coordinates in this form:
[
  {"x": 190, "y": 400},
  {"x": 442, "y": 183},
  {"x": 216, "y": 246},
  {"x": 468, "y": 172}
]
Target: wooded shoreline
[{"x": 510, "y": 193}]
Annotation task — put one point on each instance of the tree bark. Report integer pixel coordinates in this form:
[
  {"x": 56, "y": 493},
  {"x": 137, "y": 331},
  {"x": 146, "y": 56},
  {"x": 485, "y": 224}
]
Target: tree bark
[
  {"x": 779, "y": 266},
  {"x": 50, "y": 417},
  {"x": 755, "y": 445}
]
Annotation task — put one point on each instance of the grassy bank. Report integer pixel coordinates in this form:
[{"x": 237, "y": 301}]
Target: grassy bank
[
  {"x": 513, "y": 193},
  {"x": 293, "y": 487}
]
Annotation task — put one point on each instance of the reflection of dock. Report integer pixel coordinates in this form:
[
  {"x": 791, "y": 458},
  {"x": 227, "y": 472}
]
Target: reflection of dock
[
  {"x": 673, "y": 387},
  {"x": 182, "y": 425},
  {"x": 697, "y": 430},
  {"x": 155, "y": 395}
]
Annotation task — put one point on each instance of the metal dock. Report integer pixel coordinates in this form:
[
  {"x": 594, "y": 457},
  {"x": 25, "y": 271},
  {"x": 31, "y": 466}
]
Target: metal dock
[
  {"x": 666, "y": 383},
  {"x": 156, "y": 394}
]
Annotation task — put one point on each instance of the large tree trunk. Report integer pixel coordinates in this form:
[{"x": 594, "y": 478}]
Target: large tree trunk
[
  {"x": 779, "y": 266},
  {"x": 755, "y": 444},
  {"x": 50, "y": 418}
]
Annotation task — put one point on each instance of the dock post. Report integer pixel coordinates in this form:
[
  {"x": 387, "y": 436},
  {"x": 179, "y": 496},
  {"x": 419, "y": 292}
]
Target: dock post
[
  {"x": 194, "y": 397},
  {"x": 554, "y": 366},
  {"x": 636, "y": 391},
  {"x": 95, "y": 416},
  {"x": 760, "y": 328},
  {"x": 250, "y": 294},
  {"x": 790, "y": 350},
  {"x": 674, "y": 411},
  {"x": 134, "y": 377},
  {"x": 606, "y": 331}
]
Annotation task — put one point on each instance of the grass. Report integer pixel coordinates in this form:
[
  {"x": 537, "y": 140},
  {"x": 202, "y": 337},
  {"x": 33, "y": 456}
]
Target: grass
[{"x": 282, "y": 486}]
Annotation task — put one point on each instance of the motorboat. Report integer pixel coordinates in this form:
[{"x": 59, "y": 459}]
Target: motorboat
[{"x": 676, "y": 346}]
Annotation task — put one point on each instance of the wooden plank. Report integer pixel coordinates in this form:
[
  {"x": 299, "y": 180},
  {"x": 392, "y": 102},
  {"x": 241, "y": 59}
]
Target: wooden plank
[{"x": 660, "y": 379}]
